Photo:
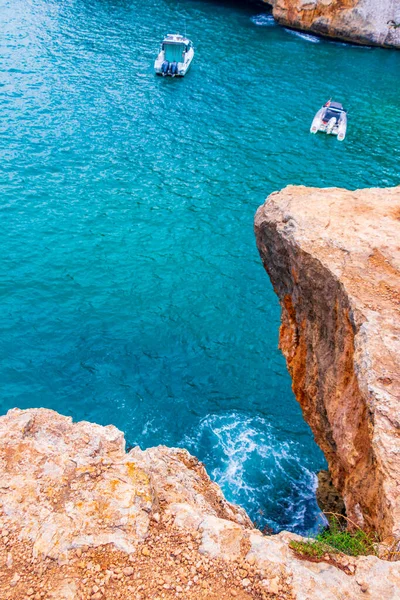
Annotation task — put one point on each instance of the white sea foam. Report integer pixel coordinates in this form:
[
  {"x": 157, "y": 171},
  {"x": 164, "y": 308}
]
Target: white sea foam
[
  {"x": 264, "y": 20},
  {"x": 304, "y": 36},
  {"x": 258, "y": 470}
]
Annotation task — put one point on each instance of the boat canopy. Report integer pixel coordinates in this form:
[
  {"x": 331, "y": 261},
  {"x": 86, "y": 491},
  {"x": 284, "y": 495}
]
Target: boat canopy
[{"x": 174, "y": 52}]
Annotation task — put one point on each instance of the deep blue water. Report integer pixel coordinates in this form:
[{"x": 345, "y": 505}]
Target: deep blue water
[{"x": 131, "y": 289}]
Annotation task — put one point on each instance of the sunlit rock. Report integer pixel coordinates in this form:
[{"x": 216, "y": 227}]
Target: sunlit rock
[
  {"x": 79, "y": 517},
  {"x": 361, "y": 21},
  {"x": 333, "y": 257}
]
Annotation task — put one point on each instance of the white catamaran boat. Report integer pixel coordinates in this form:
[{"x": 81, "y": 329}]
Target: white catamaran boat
[
  {"x": 332, "y": 119},
  {"x": 175, "y": 56}
]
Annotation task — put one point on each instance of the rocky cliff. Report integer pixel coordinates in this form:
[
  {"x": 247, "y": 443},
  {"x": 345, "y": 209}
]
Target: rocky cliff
[
  {"x": 333, "y": 257},
  {"x": 374, "y": 22},
  {"x": 82, "y": 519}
]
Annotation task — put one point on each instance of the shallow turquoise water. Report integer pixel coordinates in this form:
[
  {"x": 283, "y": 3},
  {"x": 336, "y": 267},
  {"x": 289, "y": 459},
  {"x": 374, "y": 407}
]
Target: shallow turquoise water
[{"x": 131, "y": 289}]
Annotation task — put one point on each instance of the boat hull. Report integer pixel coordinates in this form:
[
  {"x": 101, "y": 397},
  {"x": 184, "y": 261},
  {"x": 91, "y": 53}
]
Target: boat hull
[{"x": 332, "y": 127}]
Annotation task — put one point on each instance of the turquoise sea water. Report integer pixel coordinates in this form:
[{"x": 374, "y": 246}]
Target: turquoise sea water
[{"x": 131, "y": 289}]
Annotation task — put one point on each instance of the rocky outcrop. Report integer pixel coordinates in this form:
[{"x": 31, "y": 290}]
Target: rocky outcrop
[
  {"x": 73, "y": 485},
  {"x": 333, "y": 257},
  {"x": 375, "y": 22},
  {"x": 82, "y": 519}
]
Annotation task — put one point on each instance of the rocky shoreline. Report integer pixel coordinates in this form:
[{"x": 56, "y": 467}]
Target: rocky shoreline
[
  {"x": 81, "y": 519},
  {"x": 365, "y": 22}
]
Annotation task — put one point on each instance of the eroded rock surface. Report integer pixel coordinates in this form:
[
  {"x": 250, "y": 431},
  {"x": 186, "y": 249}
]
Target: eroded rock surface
[
  {"x": 71, "y": 485},
  {"x": 374, "y": 22},
  {"x": 333, "y": 257},
  {"x": 328, "y": 498},
  {"x": 81, "y": 519}
]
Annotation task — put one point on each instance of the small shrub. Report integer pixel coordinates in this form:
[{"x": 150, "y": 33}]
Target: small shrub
[
  {"x": 310, "y": 549},
  {"x": 353, "y": 543},
  {"x": 336, "y": 538}
]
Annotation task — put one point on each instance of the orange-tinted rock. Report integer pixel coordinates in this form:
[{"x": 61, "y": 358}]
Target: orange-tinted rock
[
  {"x": 361, "y": 21},
  {"x": 69, "y": 491},
  {"x": 71, "y": 485},
  {"x": 333, "y": 257}
]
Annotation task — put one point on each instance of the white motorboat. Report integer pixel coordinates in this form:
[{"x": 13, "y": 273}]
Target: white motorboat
[
  {"x": 331, "y": 119},
  {"x": 175, "y": 56}
]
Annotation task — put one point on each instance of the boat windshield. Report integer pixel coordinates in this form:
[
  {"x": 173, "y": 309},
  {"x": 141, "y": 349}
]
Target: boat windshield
[{"x": 174, "y": 52}]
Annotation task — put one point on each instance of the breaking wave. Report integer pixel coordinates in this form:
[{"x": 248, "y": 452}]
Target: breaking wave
[{"x": 259, "y": 471}]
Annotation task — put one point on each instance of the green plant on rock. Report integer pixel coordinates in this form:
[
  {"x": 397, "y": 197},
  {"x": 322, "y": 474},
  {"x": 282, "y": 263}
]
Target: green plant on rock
[
  {"x": 310, "y": 549},
  {"x": 337, "y": 538}
]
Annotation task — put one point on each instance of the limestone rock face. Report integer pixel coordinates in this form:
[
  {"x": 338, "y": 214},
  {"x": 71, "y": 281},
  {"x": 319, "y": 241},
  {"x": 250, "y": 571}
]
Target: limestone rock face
[
  {"x": 80, "y": 518},
  {"x": 374, "y": 22},
  {"x": 333, "y": 257},
  {"x": 72, "y": 485}
]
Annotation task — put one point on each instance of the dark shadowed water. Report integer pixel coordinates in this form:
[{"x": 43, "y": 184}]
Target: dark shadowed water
[{"x": 131, "y": 289}]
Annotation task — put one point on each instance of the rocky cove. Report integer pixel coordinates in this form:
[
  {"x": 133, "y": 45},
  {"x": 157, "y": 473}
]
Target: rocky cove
[
  {"x": 88, "y": 520},
  {"x": 133, "y": 296}
]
